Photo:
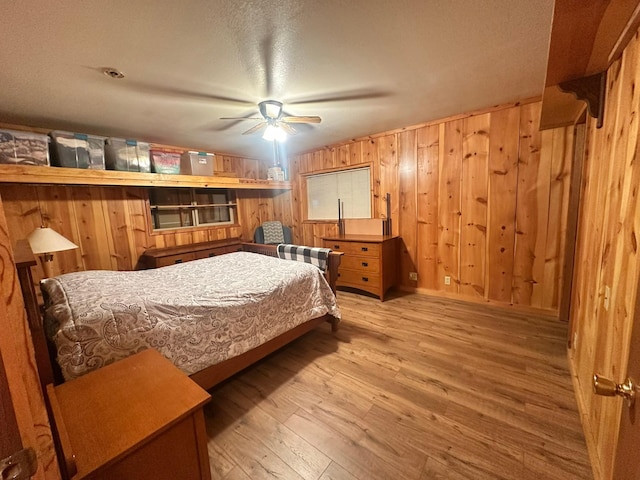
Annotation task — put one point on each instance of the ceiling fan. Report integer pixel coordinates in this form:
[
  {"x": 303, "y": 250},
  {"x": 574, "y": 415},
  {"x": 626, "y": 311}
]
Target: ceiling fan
[{"x": 275, "y": 121}]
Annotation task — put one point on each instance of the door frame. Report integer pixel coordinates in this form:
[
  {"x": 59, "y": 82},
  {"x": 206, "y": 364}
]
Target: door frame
[
  {"x": 626, "y": 464},
  {"x": 18, "y": 363}
]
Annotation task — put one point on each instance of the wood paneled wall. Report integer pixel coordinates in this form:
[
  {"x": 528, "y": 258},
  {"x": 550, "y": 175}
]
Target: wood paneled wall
[
  {"x": 110, "y": 224},
  {"x": 482, "y": 198},
  {"x": 607, "y": 257}
]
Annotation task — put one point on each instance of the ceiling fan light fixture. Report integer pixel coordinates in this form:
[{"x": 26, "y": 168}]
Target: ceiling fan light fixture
[
  {"x": 270, "y": 109},
  {"x": 273, "y": 132}
]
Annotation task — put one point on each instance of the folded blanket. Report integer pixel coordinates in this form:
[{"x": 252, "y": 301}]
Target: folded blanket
[
  {"x": 313, "y": 255},
  {"x": 273, "y": 232}
]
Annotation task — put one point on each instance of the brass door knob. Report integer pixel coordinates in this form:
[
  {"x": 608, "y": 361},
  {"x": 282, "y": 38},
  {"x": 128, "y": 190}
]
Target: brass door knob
[{"x": 608, "y": 388}]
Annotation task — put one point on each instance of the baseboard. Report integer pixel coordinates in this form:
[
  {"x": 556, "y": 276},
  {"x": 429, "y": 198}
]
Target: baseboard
[{"x": 481, "y": 301}]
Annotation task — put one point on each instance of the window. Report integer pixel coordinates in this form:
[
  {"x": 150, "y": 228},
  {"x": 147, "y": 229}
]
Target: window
[
  {"x": 352, "y": 188},
  {"x": 173, "y": 208}
]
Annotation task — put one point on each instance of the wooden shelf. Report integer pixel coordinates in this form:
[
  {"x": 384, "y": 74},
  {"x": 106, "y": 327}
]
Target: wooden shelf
[{"x": 76, "y": 176}]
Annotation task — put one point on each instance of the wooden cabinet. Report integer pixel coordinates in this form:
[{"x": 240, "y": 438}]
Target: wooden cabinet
[
  {"x": 369, "y": 262},
  {"x": 140, "y": 417},
  {"x": 161, "y": 257}
]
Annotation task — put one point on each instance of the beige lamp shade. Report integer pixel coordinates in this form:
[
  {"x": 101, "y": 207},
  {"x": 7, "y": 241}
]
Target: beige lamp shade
[{"x": 47, "y": 240}]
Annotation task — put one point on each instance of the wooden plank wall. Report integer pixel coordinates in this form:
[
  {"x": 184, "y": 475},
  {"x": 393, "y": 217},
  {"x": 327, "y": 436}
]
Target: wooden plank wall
[
  {"x": 110, "y": 224},
  {"x": 607, "y": 256},
  {"x": 482, "y": 198}
]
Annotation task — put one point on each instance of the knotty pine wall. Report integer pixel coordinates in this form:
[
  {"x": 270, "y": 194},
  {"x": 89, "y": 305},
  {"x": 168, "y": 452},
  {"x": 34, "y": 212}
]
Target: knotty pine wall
[
  {"x": 607, "y": 256},
  {"x": 480, "y": 197},
  {"x": 110, "y": 224}
]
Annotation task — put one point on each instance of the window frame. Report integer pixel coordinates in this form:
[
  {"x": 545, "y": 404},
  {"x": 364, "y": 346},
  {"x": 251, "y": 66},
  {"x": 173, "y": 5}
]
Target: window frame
[
  {"x": 336, "y": 170},
  {"x": 192, "y": 207}
]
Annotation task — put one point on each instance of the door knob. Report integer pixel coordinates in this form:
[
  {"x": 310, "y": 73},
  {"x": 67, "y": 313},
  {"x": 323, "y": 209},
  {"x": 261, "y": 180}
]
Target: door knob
[{"x": 608, "y": 388}]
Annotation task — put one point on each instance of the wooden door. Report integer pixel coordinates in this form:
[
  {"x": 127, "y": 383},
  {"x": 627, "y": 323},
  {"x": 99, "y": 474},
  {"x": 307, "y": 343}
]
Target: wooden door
[
  {"x": 627, "y": 463},
  {"x": 10, "y": 441},
  {"x": 21, "y": 397}
]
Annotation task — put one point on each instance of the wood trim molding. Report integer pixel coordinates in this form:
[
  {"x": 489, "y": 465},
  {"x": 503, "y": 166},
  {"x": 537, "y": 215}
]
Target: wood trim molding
[
  {"x": 586, "y": 37},
  {"x": 584, "y": 417},
  {"x": 551, "y": 314},
  {"x": 591, "y": 89}
]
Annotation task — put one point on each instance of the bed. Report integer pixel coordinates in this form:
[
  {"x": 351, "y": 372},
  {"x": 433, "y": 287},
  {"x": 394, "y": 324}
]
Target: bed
[{"x": 211, "y": 317}]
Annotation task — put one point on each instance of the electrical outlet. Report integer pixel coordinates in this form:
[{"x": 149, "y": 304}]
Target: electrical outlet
[
  {"x": 447, "y": 280},
  {"x": 607, "y": 297},
  {"x": 413, "y": 276}
]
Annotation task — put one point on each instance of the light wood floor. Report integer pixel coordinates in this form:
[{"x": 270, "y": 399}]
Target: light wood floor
[{"x": 415, "y": 388}]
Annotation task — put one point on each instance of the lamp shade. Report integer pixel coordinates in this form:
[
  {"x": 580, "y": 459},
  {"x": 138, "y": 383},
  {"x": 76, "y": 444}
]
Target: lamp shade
[
  {"x": 47, "y": 240},
  {"x": 273, "y": 132}
]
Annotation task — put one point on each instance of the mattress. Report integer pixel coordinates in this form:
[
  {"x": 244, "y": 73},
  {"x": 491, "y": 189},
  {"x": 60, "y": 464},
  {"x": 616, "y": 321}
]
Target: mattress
[{"x": 196, "y": 314}]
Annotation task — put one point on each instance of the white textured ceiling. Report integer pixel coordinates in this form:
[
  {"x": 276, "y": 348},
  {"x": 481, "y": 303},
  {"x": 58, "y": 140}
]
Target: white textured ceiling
[{"x": 364, "y": 66}]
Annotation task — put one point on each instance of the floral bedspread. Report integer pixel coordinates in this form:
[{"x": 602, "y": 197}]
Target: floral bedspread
[{"x": 196, "y": 314}]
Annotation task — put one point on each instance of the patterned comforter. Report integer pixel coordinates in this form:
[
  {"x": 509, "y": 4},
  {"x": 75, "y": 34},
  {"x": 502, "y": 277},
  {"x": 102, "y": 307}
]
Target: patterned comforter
[{"x": 196, "y": 314}]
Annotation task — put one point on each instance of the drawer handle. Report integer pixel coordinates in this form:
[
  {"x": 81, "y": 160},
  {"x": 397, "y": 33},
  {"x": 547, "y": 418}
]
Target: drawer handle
[
  {"x": 338, "y": 275},
  {"x": 178, "y": 261},
  {"x": 365, "y": 264},
  {"x": 365, "y": 249},
  {"x": 365, "y": 279},
  {"x": 336, "y": 247},
  {"x": 212, "y": 254}
]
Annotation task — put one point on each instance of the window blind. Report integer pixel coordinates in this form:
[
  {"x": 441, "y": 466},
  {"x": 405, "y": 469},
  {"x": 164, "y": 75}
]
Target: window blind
[{"x": 351, "y": 187}]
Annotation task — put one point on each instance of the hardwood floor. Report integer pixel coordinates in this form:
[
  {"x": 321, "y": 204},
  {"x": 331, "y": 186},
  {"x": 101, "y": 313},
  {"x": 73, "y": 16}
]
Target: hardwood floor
[{"x": 416, "y": 388}]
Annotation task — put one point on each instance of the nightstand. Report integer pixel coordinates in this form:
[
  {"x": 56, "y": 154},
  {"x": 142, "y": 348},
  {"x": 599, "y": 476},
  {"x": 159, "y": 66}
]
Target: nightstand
[{"x": 140, "y": 417}]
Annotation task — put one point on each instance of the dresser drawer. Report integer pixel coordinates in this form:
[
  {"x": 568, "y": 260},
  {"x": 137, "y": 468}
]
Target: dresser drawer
[
  {"x": 173, "y": 259},
  {"x": 354, "y": 248},
  {"x": 369, "y": 262},
  {"x": 366, "y": 265},
  {"x": 355, "y": 278},
  {"x": 208, "y": 253}
]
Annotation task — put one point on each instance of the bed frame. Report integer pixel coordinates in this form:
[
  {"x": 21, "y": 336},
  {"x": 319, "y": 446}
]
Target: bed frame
[{"x": 207, "y": 378}]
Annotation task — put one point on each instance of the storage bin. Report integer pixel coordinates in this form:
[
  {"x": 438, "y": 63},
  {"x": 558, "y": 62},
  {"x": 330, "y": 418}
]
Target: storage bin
[
  {"x": 127, "y": 155},
  {"x": 197, "y": 163},
  {"x": 77, "y": 150},
  {"x": 24, "y": 148},
  {"x": 165, "y": 160}
]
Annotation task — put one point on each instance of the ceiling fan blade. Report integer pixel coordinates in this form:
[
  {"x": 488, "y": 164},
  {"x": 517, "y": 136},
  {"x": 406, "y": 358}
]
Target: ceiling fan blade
[
  {"x": 174, "y": 92},
  {"x": 301, "y": 119},
  {"x": 342, "y": 96},
  {"x": 266, "y": 55},
  {"x": 287, "y": 128},
  {"x": 255, "y": 128},
  {"x": 241, "y": 118}
]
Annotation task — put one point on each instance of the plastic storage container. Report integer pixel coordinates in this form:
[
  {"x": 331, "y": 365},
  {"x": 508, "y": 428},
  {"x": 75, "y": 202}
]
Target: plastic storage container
[
  {"x": 127, "y": 155},
  {"x": 77, "y": 150},
  {"x": 197, "y": 163},
  {"x": 24, "y": 148},
  {"x": 165, "y": 160}
]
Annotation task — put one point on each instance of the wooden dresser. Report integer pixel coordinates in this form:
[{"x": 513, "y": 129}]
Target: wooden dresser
[
  {"x": 140, "y": 417},
  {"x": 369, "y": 263},
  {"x": 161, "y": 257}
]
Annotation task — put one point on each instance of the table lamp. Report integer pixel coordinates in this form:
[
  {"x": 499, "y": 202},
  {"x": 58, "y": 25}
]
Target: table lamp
[{"x": 45, "y": 241}]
